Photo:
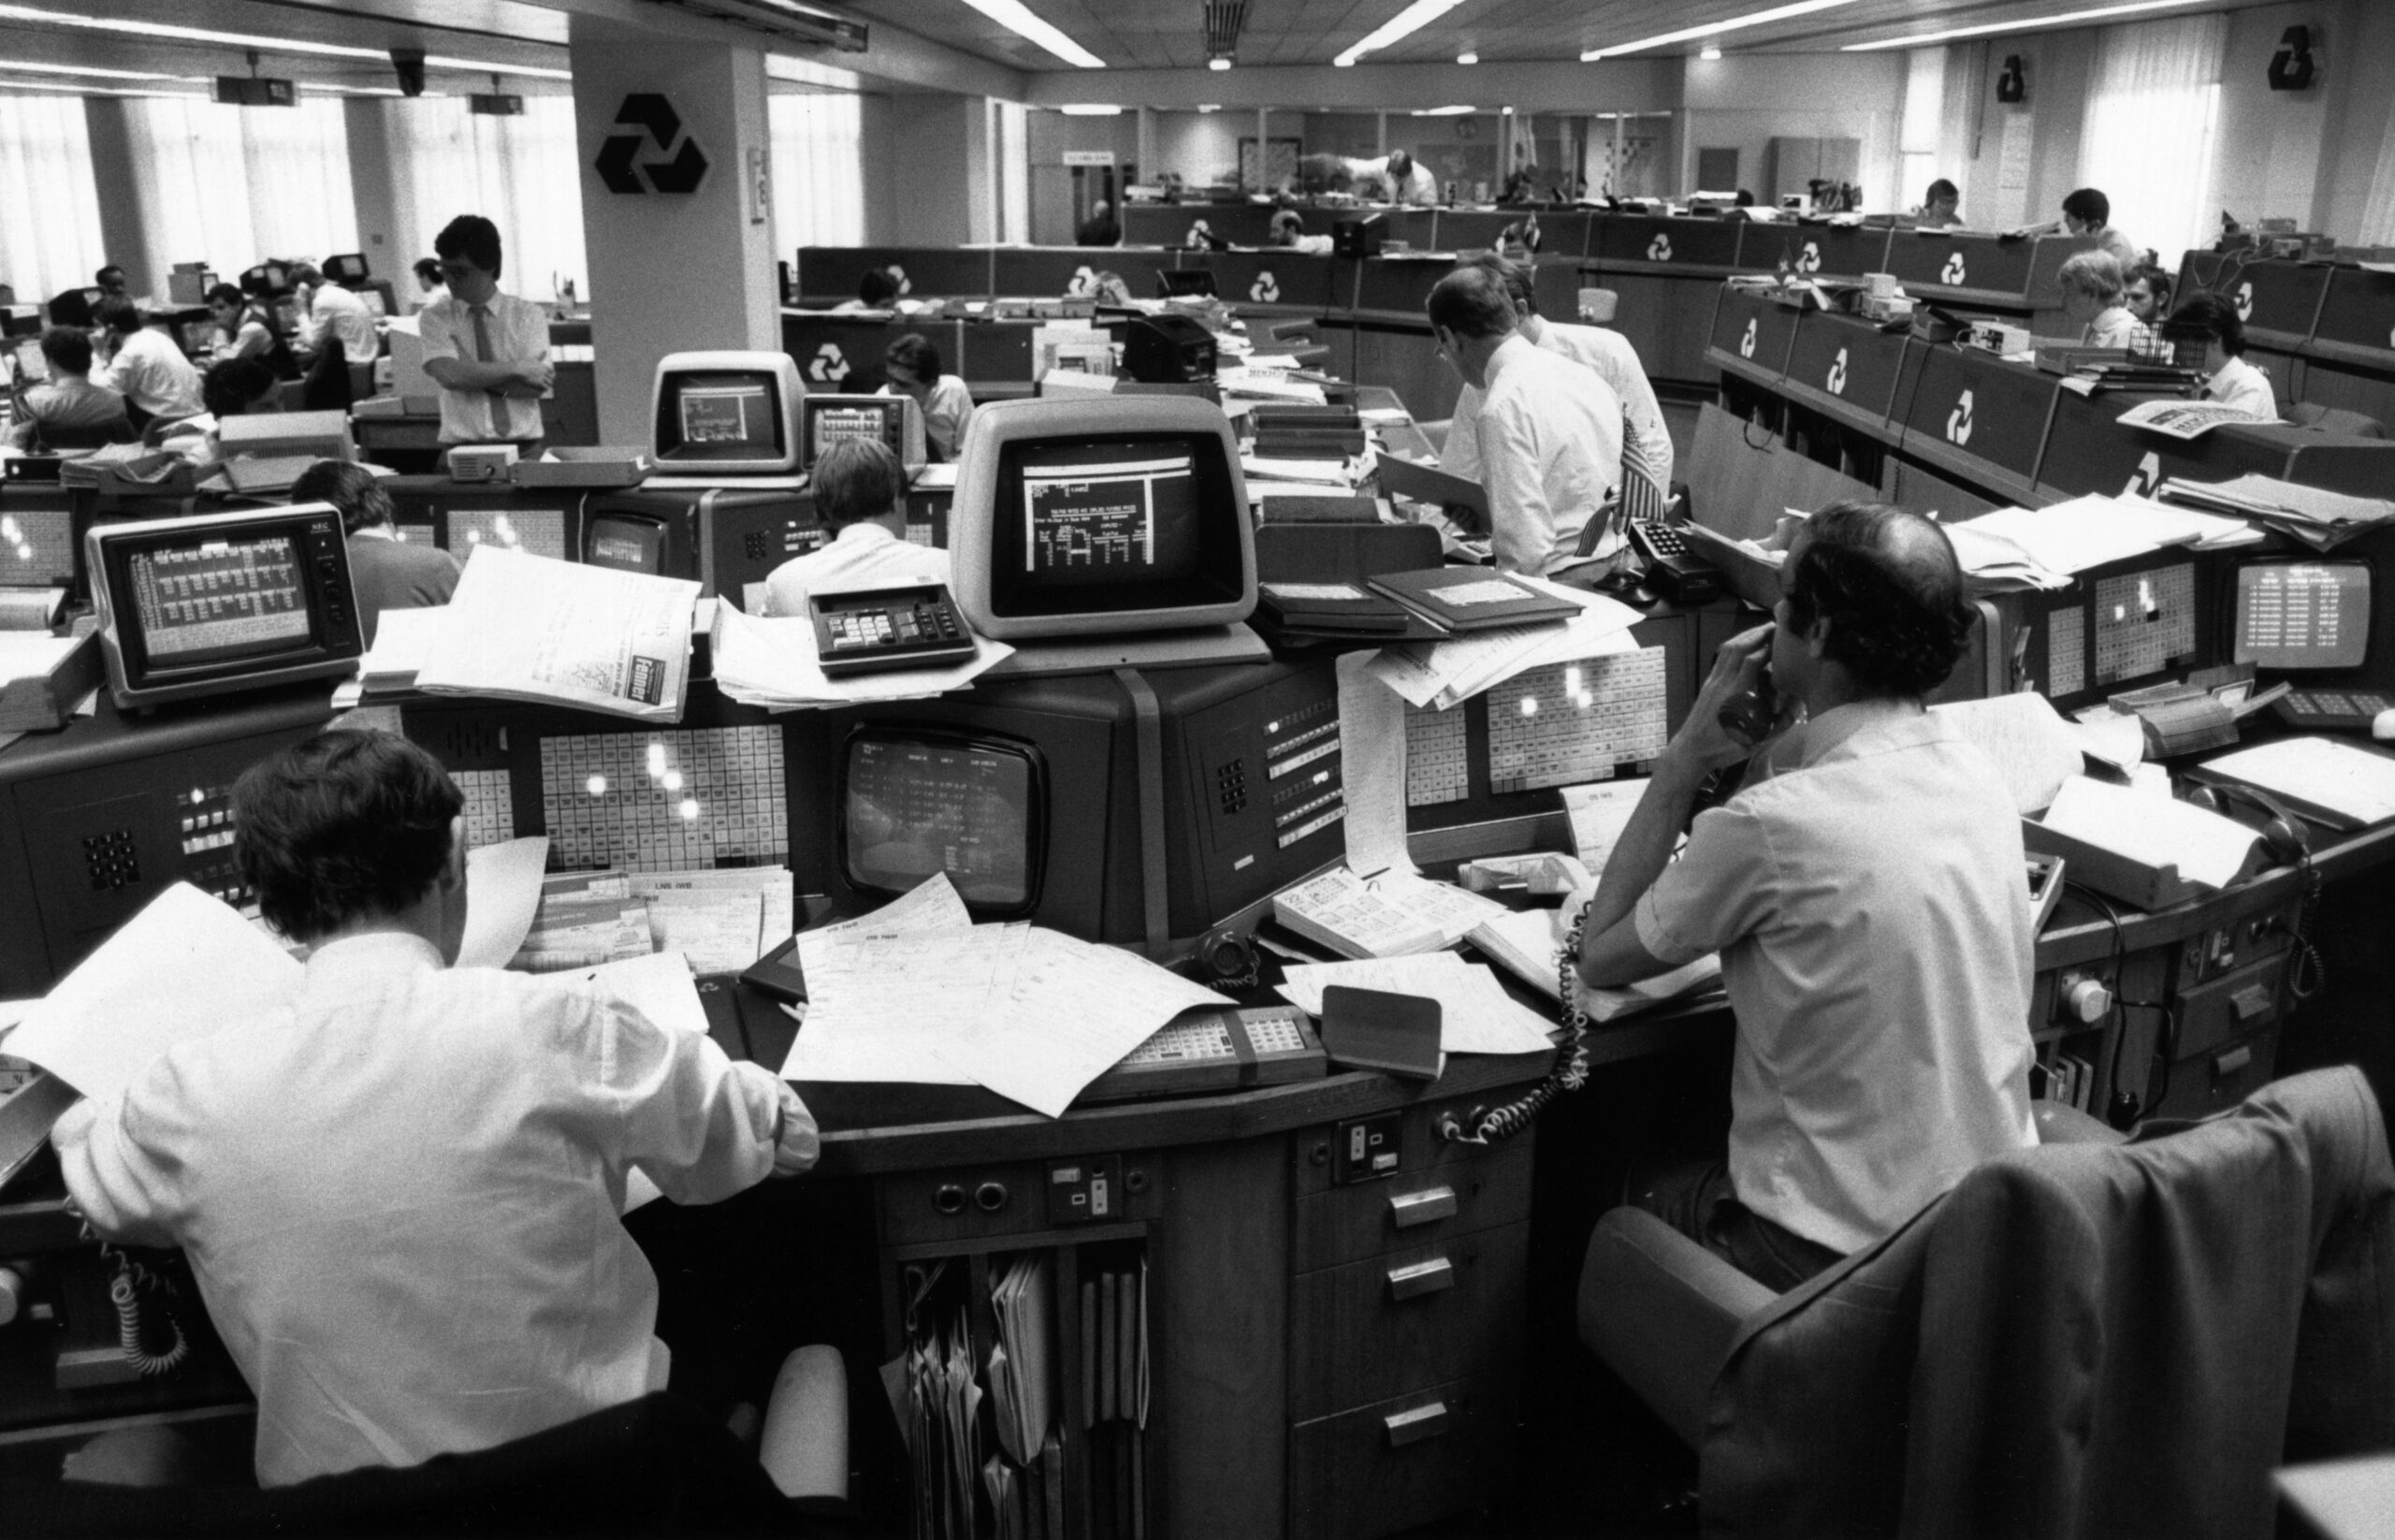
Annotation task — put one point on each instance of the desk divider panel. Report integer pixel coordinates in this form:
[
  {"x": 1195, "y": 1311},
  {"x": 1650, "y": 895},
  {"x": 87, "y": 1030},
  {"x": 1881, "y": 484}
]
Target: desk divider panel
[
  {"x": 2088, "y": 451},
  {"x": 1242, "y": 224},
  {"x": 2357, "y": 323},
  {"x": 1810, "y": 249},
  {"x": 1058, "y": 272},
  {"x": 1751, "y": 335},
  {"x": 1399, "y": 286},
  {"x": 1273, "y": 282},
  {"x": 2280, "y": 302},
  {"x": 1975, "y": 416},
  {"x": 996, "y": 352},
  {"x": 828, "y": 274},
  {"x": 1846, "y": 370},
  {"x": 843, "y": 353},
  {"x": 1417, "y": 229}
]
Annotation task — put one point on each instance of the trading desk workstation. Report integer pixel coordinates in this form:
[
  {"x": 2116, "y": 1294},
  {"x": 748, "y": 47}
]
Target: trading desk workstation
[{"x": 1342, "y": 1297}]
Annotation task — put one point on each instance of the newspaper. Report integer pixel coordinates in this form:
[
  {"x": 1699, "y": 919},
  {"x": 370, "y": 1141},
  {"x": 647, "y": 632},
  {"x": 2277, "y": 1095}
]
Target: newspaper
[{"x": 559, "y": 632}]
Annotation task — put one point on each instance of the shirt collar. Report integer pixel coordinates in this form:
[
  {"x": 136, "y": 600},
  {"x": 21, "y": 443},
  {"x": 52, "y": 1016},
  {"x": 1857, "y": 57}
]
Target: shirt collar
[
  {"x": 376, "y": 952},
  {"x": 1513, "y": 350},
  {"x": 864, "y": 532},
  {"x": 1854, "y": 731}
]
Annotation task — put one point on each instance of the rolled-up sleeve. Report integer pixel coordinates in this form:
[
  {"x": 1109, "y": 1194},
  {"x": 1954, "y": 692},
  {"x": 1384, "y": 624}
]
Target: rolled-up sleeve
[
  {"x": 702, "y": 1126},
  {"x": 125, "y": 1182},
  {"x": 1719, "y": 888}
]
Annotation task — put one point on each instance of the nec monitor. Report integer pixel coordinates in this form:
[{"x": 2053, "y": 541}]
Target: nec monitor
[
  {"x": 744, "y": 536},
  {"x": 731, "y": 414},
  {"x": 222, "y": 603},
  {"x": 898, "y": 421},
  {"x": 1089, "y": 517},
  {"x": 651, "y": 532},
  {"x": 348, "y": 270},
  {"x": 2297, "y": 617}
]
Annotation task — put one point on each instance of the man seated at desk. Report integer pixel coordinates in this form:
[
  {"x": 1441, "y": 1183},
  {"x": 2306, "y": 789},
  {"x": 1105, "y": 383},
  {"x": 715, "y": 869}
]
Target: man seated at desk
[
  {"x": 400, "y": 1194},
  {"x": 1864, "y": 890},
  {"x": 2088, "y": 212},
  {"x": 912, "y": 366},
  {"x": 69, "y": 412},
  {"x": 384, "y": 572},
  {"x": 145, "y": 367},
  {"x": 861, "y": 497},
  {"x": 2231, "y": 381},
  {"x": 1547, "y": 435}
]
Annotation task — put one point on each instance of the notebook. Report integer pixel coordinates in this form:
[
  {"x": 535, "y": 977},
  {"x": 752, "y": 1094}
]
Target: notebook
[{"x": 1467, "y": 599}]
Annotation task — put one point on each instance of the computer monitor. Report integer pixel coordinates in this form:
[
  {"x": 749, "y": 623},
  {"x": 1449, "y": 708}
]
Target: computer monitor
[
  {"x": 2302, "y": 617},
  {"x": 268, "y": 278},
  {"x": 1180, "y": 283},
  {"x": 37, "y": 543},
  {"x": 1098, "y": 516},
  {"x": 348, "y": 270},
  {"x": 216, "y": 604},
  {"x": 733, "y": 414},
  {"x": 898, "y": 421},
  {"x": 652, "y": 532},
  {"x": 1030, "y": 795},
  {"x": 31, "y": 365},
  {"x": 196, "y": 334}
]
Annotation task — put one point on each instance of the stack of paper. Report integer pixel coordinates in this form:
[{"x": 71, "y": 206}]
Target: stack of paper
[
  {"x": 1266, "y": 385},
  {"x": 773, "y": 663},
  {"x": 402, "y": 640},
  {"x": 559, "y": 632},
  {"x": 1023, "y": 1363},
  {"x": 1476, "y": 1014},
  {"x": 2321, "y": 520},
  {"x": 1442, "y": 674},
  {"x": 585, "y": 919},
  {"x": 1339, "y": 474},
  {"x": 1598, "y": 814},
  {"x": 1396, "y": 914},
  {"x": 724, "y": 918},
  {"x": 2343, "y": 785},
  {"x": 2067, "y": 538},
  {"x": 2153, "y": 834},
  {"x": 1525, "y": 943},
  {"x": 913, "y": 995}
]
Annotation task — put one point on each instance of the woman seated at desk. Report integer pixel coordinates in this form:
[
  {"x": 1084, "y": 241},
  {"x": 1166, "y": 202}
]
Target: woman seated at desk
[{"x": 2092, "y": 287}]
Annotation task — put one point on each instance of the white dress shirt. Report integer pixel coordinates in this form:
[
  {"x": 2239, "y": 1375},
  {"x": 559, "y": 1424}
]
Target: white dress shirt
[
  {"x": 151, "y": 373},
  {"x": 519, "y": 330},
  {"x": 2114, "y": 326},
  {"x": 866, "y": 555},
  {"x": 2243, "y": 385},
  {"x": 402, "y": 1195},
  {"x": 1876, "y": 943},
  {"x": 1609, "y": 352},
  {"x": 1548, "y": 437},
  {"x": 333, "y": 310},
  {"x": 946, "y": 416}
]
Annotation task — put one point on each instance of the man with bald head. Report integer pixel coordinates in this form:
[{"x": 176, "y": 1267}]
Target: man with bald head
[{"x": 1864, "y": 890}]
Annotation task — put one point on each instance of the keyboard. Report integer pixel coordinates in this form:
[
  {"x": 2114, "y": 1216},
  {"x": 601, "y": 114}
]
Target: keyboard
[{"x": 2332, "y": 710}]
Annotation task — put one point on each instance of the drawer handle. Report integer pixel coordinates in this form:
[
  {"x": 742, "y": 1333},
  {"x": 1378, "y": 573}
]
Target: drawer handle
[
  {"x": 1413, "y": 1426},
  {"x": 2251, "y": 1005},
  {"x": 1419, "y": 1278},
  {"x": 1406, "y": 1210},
  {"x": 2229, "y": 1063}
]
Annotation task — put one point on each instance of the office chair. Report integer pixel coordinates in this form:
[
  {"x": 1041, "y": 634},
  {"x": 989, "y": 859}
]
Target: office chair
[
  {"x": 2085, "y": 1338},
  {"x": 328, "y": 386},
  {"x": 53, "y": 440},
  {"x": 658, "y": 1465},
  {"x": 2331, "y": 419}
]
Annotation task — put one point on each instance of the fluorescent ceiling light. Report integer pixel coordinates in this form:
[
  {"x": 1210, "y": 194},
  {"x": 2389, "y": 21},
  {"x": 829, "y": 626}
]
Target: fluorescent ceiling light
[
  {"x": 1710, "y": 52},
  {"x": 1761, "y": 18},
  {"x": 1218, "y": 64},
  {"x": 71, "y": 89},
  {"x": 1090, "y": 109},
  {"x": 24, "y": 66},
  {"x": 1923, "y": 39},
  {"x": 1467, "y": 58},
  {"x": 1210, "y": 106},
  {"x": 163, "y": 31},
  {"x": 1405, "y": 24},
  {"x": 1016, "y": 18},
  {"x": 1456, "y": 111}
]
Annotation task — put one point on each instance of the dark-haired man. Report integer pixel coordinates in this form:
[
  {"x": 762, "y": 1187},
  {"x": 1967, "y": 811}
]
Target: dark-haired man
[
  {"x": 400, "y": 1194},
  {"x": 384, "y": 572},
  {"x": 489, "y": 352},
  {"x": 2086, "y": 211},
  {"x": 145, "y": 366},
  {"x": 69, "y": 412},
  {"x": 1863, "y": 890},
  {"x": 2232, "y": 381},
  {"x": 859, "y": 495},
  {"x": 1941, "y": 208}
]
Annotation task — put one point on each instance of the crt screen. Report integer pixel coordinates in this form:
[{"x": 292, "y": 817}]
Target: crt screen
[
  {"x": 2299, "y": 615},
  {"x": 634, "y": 546},
  {"x": 1101, "y": 516},
  {"x": 720, "y": 413},
  {"x": 913, "y": 806},
  {"x": 830, "y": 423},
  {"x": 218, "y": 600}
]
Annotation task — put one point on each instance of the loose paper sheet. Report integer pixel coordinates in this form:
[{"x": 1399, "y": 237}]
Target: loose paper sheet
[
  {"x": 1598, "y": 814},
  {"x": 1372, "y": 759},
  {"x": 2205, "y": 847},
  {"x": 1476, "y": 1015},
  {"x": 503, "y": 894}
]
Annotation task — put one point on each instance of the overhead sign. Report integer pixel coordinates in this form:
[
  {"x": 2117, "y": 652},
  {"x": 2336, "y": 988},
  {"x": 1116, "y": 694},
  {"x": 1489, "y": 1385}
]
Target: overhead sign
[
  {"x": 1089, "y": 157},
  {"x": 658, "y": 157}
]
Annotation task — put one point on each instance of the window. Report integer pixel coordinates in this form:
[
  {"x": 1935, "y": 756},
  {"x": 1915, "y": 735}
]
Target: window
[
  {"x": 521, "y": 173},
  {"x": 290, "y": 197},
  {"x": 53, "y": 242},
  {"x": 2153, "y": 104},
  {"x": 817, "y": 169},
  {"x": 1918, "y": 135}
]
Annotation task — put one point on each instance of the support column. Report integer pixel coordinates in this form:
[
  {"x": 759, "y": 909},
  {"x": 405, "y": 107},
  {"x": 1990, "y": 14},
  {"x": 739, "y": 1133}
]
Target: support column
[
  {"x": 385, "y": 222},
  {"x": 123, "y": 232},
  {"x": 671, "y": 271}
]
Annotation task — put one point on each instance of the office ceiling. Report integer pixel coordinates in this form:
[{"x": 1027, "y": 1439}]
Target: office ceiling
[{"x": 1158, "y": 34}]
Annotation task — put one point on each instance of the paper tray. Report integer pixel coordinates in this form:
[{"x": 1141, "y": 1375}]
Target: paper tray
[
  {"x": 600, "y": 469},
  {"x": 2117, "y": 875}
]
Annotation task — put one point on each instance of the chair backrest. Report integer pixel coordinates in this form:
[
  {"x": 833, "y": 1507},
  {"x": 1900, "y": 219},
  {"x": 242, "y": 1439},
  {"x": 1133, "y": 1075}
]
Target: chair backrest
[
  {"x": 52, "y": 438},
  {"x": 2106, "y": 1339}
]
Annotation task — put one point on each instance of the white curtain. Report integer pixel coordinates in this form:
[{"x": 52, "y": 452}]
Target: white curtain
[
  {"x": 2379, "y": 214},
  {"x": 2153, "y": 107},
  {"x": 232, "y": 186},
  {"x": 817, "y": 169},
  {"x": 1014, "y": 171},
  {"x": 45, "y": 165},
  {"x": 519, "y": 172},
  {"x": 1918, "y": 134}
]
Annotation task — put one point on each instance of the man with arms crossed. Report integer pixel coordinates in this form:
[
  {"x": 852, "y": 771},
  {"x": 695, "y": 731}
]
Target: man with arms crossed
[
  {"x": 489, "y": 352},
  {"x": 1864, "y": 890},
  {"x": 401, "y": 1194}
]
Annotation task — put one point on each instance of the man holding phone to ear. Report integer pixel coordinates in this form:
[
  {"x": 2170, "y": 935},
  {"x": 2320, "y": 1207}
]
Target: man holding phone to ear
[{"x": 1864, "y": 889}]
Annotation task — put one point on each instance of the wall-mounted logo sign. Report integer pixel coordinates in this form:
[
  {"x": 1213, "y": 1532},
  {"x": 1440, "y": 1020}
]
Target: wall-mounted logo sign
[
  {"x": 657, "y": 157},
  {"x": 1809, "y": 259},
  {"x": 829, "y": 366},
  {"x": 2245, "y": 301}
]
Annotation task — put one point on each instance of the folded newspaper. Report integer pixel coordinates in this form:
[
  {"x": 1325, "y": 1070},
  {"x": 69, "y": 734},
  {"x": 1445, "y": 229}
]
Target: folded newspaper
[{"x": 529, "y": 628}]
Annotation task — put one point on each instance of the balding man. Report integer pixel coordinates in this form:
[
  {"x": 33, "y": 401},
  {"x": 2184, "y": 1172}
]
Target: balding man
[
  {"x": 1646, "y": 444},
  {"x": 1863, "y": 890},
  {"x": 1547, "y": 433}
]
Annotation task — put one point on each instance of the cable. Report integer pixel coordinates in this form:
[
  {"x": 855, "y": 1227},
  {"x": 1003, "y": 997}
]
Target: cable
[
  {"x": 1570, "y": 1070},
  {"x": 124, "y": 1295}
]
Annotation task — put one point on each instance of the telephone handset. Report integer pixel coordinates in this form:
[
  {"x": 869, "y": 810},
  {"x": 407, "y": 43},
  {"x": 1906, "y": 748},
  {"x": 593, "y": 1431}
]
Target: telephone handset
[{"x": 1748, "y": 718}]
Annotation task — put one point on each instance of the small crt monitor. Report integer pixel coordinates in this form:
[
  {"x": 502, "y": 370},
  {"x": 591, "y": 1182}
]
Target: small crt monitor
[
  {"x": 2303, "y": 615},
  {"x": 1100, "y": 516},
  {"x": 915, "y": 802},
  {"x": 218, "y": 604},
  {"x": 735, "y": 413},
  {"x": 898, "y": 421},
  {"x": 651, "y": 532}
]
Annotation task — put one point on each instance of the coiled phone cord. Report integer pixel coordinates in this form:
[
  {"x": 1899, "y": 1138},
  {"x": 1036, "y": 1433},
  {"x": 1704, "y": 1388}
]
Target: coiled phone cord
[
  {"x": 124, "y": 1294},
  {"x": 1486, "y": 1126}
]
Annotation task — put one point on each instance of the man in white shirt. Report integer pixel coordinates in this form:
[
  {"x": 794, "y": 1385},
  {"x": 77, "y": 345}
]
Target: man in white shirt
[
  {"x": 1397, "y": 179},
  {"x": 2087, "y": 211},
  {"x": 2233, "y": 381},
  {"x": 912, "y": 365},
  {"x": 1863, "y": 890},
  {"x": 489, "y": 352},
  {"x": 400, "y": 1194},
  {"x": 1646, "y": 443},
  {"x": 145, "y": 367},
  {"x": 331, "y": 310},
  {"x": 860, "y": 492},
  {"x": 1548, "y": 434}
]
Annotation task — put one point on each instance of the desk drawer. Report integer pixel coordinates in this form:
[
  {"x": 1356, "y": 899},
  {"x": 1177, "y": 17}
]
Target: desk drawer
[
  {"x": 1393, "y": 1465},
  {"x": 1376, "y": 1329},
  {"x": 1417, "y": 1208},
  {"x": 961, "y": 1204}
]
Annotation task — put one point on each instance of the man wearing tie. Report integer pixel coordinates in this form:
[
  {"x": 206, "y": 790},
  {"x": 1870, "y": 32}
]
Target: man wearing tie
[{"x": 487, "y": 351}]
